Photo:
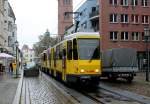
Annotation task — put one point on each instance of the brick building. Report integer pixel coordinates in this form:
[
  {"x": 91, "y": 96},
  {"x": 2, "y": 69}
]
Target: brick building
[
  {"x": 122, "y": 24},
  {"x": 65, "y": 18}
]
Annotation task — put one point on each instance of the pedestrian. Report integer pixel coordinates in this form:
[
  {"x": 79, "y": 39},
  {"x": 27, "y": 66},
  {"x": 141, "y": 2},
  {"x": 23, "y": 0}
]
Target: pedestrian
[
  {"x": 0, "y": 66},
  {"x": 144, "y": 64},
  {"x": 11, "y": 67}
]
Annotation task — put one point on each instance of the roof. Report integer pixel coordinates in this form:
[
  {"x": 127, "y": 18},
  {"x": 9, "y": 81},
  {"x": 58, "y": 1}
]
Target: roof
[{"x": 81, "y": 34}]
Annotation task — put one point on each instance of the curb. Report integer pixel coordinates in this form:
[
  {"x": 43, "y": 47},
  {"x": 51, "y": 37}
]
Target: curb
[
  {"x": 63, "y": 94},
  {"x": 18, "y": 91}
]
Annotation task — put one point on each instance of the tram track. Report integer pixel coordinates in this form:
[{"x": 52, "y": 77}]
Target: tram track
[
  {"x": 94, "y": 98},
  {"x": 99, "y": 96}
]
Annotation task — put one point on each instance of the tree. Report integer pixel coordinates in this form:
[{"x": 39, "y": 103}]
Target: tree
[{"x": 45, "y": 41}]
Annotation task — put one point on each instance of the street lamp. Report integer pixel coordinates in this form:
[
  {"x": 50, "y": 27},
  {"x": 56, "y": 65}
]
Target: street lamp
[
  {"x": 16, "y": 44},
  {"x": 146, "y": 37}
]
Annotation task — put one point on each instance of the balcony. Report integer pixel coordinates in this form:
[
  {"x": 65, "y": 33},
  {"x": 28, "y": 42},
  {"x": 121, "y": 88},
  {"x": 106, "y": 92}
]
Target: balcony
[{"x": 94, "y": 15}]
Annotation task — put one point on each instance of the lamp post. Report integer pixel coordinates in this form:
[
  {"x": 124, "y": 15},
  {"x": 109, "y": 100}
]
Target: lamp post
[
  {"x": 16, "y": 44},
  {"x": 146, "y": 37}
]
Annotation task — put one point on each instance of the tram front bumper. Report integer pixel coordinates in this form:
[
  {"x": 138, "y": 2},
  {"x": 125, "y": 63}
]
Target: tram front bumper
[{"x": 82, "y": 78}]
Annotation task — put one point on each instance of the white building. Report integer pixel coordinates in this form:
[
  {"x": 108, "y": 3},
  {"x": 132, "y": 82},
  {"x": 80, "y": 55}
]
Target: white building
[
  {"x": 2, "y": 39},
  {"x": 28, "y": 54},
  {"x": 10, "y": 28}
]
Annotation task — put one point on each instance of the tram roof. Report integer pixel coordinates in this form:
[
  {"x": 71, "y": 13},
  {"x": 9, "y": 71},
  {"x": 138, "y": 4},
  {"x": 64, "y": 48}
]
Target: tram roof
[{"x": 78, "y": 34}]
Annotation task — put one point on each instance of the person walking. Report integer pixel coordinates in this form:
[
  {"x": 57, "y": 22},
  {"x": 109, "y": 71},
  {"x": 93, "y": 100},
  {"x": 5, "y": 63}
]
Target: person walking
[{"x": 11, "y": 67}]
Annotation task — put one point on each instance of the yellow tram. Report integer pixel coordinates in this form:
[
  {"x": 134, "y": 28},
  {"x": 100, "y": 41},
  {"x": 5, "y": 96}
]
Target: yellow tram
[{"x": 75, "y": 59}]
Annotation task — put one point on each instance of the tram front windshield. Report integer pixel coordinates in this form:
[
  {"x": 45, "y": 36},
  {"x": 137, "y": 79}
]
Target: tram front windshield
[{"x": 89, "y": 49}]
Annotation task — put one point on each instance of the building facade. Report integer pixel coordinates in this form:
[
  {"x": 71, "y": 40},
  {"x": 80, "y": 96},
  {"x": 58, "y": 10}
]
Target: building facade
[
  {"x": 88, "y": 16},
  {"x": 10, "y": 28},
  {"x": 28, "y": 54},
  {"x": 65, "y": 18},
  {"x": 122, "y": 24},
  {"x": 2, "y": 39}
]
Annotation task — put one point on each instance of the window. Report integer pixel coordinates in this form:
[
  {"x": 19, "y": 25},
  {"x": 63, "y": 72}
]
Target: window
[
  {"x": 89, "y": 49},
  {"x": 134, "y": 2},
  {"x": 9, "y": 41},
  {"x": 69, "y": 50},
  {"x": 134, "y": 18},
  {"x": 113, "y": 18},
  {"x": 93, "y": 9},
  {"x": 142, "y": 36},
  {"x": 124, "y": 35},
  {"x": 66, "y": 16},
  {"x": 44, "y": 58},
  {"x": 144, "y": 3},
  {"x": 124, "y": 2},
  {"x": 84, "y": 25},
  {"x": 113, "y": 2},
  {"x": 54, "y": 56},
  {"x": 145, "y": 19},
  {"x": 124, "y": 18},
  {"x": 75, "y": 52},
  {"x": 13, "y": 34},
  {"x": 135, "y": 36},
  {"x": 67, "y": 2},
  {"x": 113, "y": 35}
]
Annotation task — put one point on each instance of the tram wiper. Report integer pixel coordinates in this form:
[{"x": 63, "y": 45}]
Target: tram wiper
[{"x": 94, "y": 56}]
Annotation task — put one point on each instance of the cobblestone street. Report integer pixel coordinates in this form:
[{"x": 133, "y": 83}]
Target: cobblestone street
[
  {"x": 38, "y": 91},
  {"x": 42, "y": 90}
]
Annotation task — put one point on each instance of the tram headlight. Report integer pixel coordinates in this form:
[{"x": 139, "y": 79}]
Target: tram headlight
[
  {"x": 82, "y": 70},
  {"x": 96, "y": 70}
]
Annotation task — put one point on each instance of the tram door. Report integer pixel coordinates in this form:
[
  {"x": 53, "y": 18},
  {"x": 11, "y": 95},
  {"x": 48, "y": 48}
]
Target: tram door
[
  {"x": 75, "y": 56},
  {"x": 64, "y": 64}
]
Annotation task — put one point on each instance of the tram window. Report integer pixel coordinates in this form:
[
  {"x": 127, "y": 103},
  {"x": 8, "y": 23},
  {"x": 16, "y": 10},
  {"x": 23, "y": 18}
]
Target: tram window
[
  {"x": 64, "y": 52},
  {"x": 75, "y": 52},
  {"x": 54, "y": 58},
  {"x": 60, "y": 54},
  {"x": 50, "y": 59},
  {"x": 69, "y": 50},
  {"x": 57, "y": 53},
  {"x": 44, "y": 58}
]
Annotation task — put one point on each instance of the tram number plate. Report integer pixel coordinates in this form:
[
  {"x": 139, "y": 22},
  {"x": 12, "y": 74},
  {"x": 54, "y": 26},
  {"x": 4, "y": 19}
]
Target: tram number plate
[
  {"x": 85, "y": 77},
  {"x": 124, "y": 75}
]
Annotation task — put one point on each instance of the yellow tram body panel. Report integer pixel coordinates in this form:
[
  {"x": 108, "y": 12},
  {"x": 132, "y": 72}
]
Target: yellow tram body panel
[{"x": 83, "y": 67}]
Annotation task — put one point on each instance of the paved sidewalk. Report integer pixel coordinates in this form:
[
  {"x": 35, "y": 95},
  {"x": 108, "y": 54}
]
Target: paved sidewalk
[
  {"x": 36, "y": 91},
  {"x": 8, "y": 87},
  {"x": 43, "y": 90}
]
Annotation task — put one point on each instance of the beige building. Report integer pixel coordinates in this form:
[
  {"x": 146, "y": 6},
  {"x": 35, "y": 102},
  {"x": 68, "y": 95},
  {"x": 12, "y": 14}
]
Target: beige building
[
  {"x": 2, "y": 39},
  {"x": 28, "y": 54},
  {"x": 8, "y": 28}
]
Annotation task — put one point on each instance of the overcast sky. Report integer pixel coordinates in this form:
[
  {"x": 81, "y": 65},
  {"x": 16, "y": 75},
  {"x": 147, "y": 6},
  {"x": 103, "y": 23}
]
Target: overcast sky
[{"x": 33, "y": 17}]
